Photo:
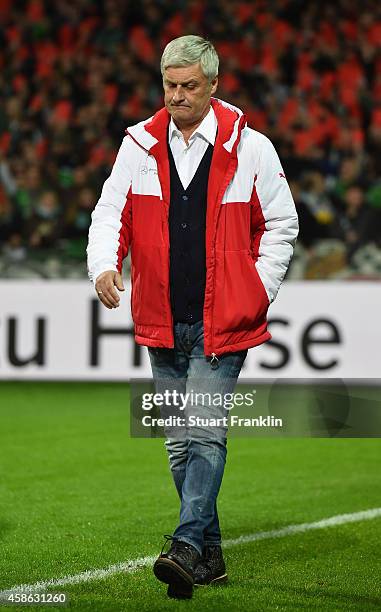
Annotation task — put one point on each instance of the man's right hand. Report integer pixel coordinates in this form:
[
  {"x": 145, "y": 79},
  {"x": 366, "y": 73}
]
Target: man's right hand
[{"x": 105, "y": 288}]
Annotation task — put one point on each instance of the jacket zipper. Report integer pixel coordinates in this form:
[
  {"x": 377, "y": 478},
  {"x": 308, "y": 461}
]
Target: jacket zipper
[
  {"x": 214, "y": 360},
  {"x": 169, "y": 281}
]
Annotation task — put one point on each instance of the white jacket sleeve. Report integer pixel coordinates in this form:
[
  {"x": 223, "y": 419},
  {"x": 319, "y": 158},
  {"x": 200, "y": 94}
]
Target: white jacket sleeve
[
  {"x": 106, "y": 241},
  {"x": 280, "y": 220}
]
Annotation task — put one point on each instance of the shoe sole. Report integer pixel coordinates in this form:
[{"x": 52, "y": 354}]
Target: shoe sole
[
  {"x": 171, "y": 573},
  {"x": 177, "y": 593},
  {"x": 218, "y": 580}
]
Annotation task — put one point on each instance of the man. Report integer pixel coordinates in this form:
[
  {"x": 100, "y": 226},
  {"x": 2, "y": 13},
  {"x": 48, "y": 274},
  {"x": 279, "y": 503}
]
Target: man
[{"x": 202, "y": 201}]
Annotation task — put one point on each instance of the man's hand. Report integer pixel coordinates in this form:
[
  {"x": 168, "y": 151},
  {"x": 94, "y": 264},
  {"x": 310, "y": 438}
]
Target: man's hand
[{"x": 105, "y": 288}]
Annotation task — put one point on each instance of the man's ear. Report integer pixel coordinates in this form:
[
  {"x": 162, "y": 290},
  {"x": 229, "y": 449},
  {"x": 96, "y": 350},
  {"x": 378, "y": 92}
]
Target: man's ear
[{"x": 214, "y": 85}]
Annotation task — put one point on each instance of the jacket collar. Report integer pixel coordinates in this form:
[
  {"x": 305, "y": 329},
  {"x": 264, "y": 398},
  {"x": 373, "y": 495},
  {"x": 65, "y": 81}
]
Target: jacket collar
[{"x": 230, "y": 120}]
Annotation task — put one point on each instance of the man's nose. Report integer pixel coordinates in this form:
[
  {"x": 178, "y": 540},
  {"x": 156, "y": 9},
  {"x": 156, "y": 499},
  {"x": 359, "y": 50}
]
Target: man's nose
[{"x": 178, "y": 96}]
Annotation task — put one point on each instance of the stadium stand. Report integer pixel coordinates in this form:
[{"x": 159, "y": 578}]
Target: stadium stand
[{"x": 73, "y": 76}]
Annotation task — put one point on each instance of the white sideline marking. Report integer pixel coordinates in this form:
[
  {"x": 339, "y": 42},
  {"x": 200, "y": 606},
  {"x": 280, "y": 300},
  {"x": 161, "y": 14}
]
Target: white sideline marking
[
  {"x": 333, "y": 521},
  {"x": 135, "y": 564}
]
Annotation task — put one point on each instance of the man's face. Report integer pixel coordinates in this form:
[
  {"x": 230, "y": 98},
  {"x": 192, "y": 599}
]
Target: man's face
[{"x": 187, "y": 94}]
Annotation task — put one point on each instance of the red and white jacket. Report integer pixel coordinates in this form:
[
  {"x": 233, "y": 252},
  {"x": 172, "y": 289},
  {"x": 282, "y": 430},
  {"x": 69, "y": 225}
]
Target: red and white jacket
[{"x": 251, "y": 227}]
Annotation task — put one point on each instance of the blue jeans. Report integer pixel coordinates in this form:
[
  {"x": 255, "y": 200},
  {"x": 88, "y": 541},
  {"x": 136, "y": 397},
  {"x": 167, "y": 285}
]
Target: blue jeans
[{"x": 197, "y": 447}]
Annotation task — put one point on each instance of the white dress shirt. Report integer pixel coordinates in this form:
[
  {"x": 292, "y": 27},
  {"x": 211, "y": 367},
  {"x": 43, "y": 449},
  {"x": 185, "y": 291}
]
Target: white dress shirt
[{"x": 187, "y": 157}]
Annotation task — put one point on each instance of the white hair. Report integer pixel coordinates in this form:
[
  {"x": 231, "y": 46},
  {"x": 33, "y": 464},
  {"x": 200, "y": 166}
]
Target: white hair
[{"x": 188, "y": 50}]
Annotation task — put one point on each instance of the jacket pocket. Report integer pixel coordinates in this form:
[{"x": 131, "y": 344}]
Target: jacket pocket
[
  {"x": 240, "y": 301},
  {"x": 148, "y": 284}
]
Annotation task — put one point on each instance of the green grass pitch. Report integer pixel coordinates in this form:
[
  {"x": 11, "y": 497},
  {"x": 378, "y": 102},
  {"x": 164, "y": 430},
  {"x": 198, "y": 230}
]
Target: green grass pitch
[{"x": 77, "y": 493}]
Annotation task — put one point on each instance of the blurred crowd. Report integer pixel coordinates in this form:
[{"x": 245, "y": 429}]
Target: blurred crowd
[{"x": 74, "y": 75}]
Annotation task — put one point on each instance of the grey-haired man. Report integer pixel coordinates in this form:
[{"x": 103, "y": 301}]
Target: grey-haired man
[{"x": 203, "y": 202}]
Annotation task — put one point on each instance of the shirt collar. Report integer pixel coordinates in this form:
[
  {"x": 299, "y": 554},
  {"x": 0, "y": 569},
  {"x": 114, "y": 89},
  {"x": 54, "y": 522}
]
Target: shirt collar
[{"x": 207, "y": 128}]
